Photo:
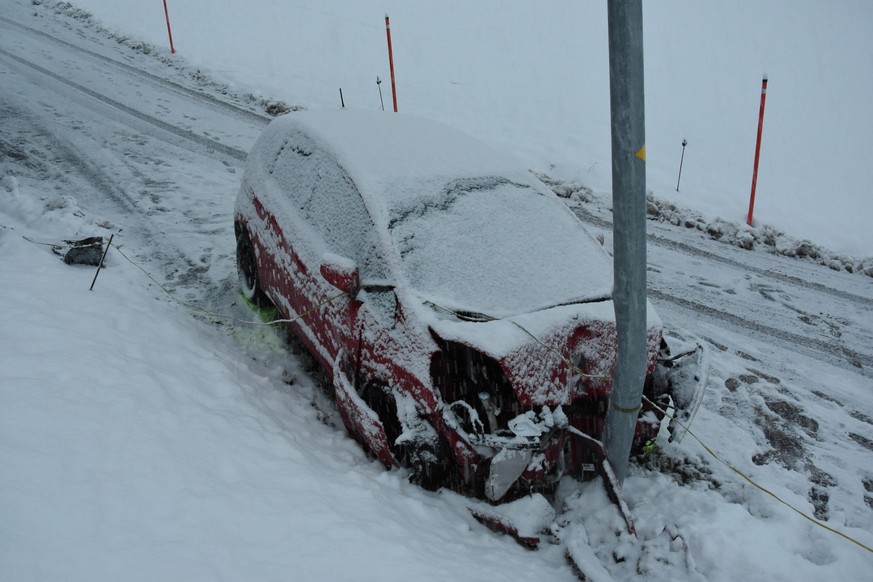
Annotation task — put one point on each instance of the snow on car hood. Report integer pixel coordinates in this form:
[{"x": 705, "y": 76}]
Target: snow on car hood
[
  {"x": 498, "y": 248},
  {"x": 470, "y": 229},
  {"x": 534, "y": 348}
]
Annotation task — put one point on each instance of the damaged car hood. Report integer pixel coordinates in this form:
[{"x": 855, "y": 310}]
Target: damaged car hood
[{"x": 545, "y": 353}]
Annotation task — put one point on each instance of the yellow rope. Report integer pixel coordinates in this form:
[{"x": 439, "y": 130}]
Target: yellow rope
[
  {"x": 756, "y": 485},
  {"x": 36, "y": 242}
]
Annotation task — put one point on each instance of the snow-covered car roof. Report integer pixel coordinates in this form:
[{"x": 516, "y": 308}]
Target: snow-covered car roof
[
  {"x": 400, "y": 157},
  {"x": 473, "y": 229}
]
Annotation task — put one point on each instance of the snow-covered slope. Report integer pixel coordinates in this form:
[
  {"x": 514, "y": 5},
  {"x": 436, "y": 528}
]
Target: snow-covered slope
[{"x": 142, "y": 438}]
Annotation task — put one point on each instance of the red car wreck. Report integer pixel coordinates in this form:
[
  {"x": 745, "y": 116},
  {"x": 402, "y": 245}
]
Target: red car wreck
[{"x": 461, "y": 309}]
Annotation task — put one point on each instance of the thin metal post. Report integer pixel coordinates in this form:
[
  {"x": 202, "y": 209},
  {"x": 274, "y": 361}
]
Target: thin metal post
[
  {"x": 379, "y": 85},
  {"x": 757, "y": 151},
  {"x": 106, "y": 250},
  {"x": 682, "y": 159},
  {"x": 627, "y": 103}
]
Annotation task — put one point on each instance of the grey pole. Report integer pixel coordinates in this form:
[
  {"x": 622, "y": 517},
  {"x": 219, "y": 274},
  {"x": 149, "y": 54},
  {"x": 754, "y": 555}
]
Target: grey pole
[{"x": 629, "y": 226}]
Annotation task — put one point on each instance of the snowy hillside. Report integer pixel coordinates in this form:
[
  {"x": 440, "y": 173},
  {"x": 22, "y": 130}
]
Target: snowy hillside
[{"x": 153, "y": 428}]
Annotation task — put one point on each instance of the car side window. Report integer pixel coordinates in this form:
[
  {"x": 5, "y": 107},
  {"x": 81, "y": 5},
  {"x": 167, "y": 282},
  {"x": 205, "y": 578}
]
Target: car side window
[{"x": 328, "y": 200}]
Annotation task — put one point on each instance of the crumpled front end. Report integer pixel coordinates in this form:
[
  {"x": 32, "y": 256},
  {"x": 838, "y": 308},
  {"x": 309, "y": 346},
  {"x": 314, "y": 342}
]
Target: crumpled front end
[{"x": 517, "y": 416}]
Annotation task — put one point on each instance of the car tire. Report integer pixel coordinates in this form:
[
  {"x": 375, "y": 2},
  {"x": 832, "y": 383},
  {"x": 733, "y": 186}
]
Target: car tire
[{"x": 247, "y": 267}]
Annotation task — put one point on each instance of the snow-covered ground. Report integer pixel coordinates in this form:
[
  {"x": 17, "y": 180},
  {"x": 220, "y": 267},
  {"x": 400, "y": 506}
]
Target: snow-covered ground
[{"x": 143, "y": 438}]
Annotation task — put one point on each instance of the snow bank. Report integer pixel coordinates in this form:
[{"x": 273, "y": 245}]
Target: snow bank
[{"x": 750, "y": 237}]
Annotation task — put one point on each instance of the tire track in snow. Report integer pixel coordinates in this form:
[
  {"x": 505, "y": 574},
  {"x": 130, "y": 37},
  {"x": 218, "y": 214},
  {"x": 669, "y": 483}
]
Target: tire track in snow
[
  {"x": 66, "y": 151},
  {"x": 859, "y": 360},
  {"x": 154, "y": 79},
  {"x": 209, "y": 145},
  {"x": 74, "y": 156},
  {"x": 687, "y": 249},
  {"x": 782, "y": 277},
  {"x": 828, "y": 350}
]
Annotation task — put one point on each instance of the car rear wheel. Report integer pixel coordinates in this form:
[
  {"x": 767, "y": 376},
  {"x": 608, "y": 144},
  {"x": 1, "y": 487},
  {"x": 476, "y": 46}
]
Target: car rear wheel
[{"x": 247, "y": 267}]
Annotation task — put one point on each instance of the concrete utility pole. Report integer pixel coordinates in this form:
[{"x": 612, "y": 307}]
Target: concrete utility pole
[{"x": 629, "y": 225}]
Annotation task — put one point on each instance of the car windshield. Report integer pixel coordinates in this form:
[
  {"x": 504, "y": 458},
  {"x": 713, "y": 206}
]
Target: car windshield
[{"x": 498, "y": 248}]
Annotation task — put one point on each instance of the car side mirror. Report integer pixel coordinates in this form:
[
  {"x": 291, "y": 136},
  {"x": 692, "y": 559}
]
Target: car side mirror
[{"x": 341, "y": 272}]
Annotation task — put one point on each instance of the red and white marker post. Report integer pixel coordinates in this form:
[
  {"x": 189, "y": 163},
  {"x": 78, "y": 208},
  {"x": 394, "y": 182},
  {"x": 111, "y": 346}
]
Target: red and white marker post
[
  {"x": 757, "y": 151},
  {"x": 391, "y": 62},
  {"x": 169, "y": 32}
]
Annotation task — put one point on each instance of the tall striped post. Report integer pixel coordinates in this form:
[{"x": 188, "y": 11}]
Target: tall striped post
[
  {"x": 169, "y": 32},
  {"x": 391, "y": 63},
  {"x": 757, "y": 151}
]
